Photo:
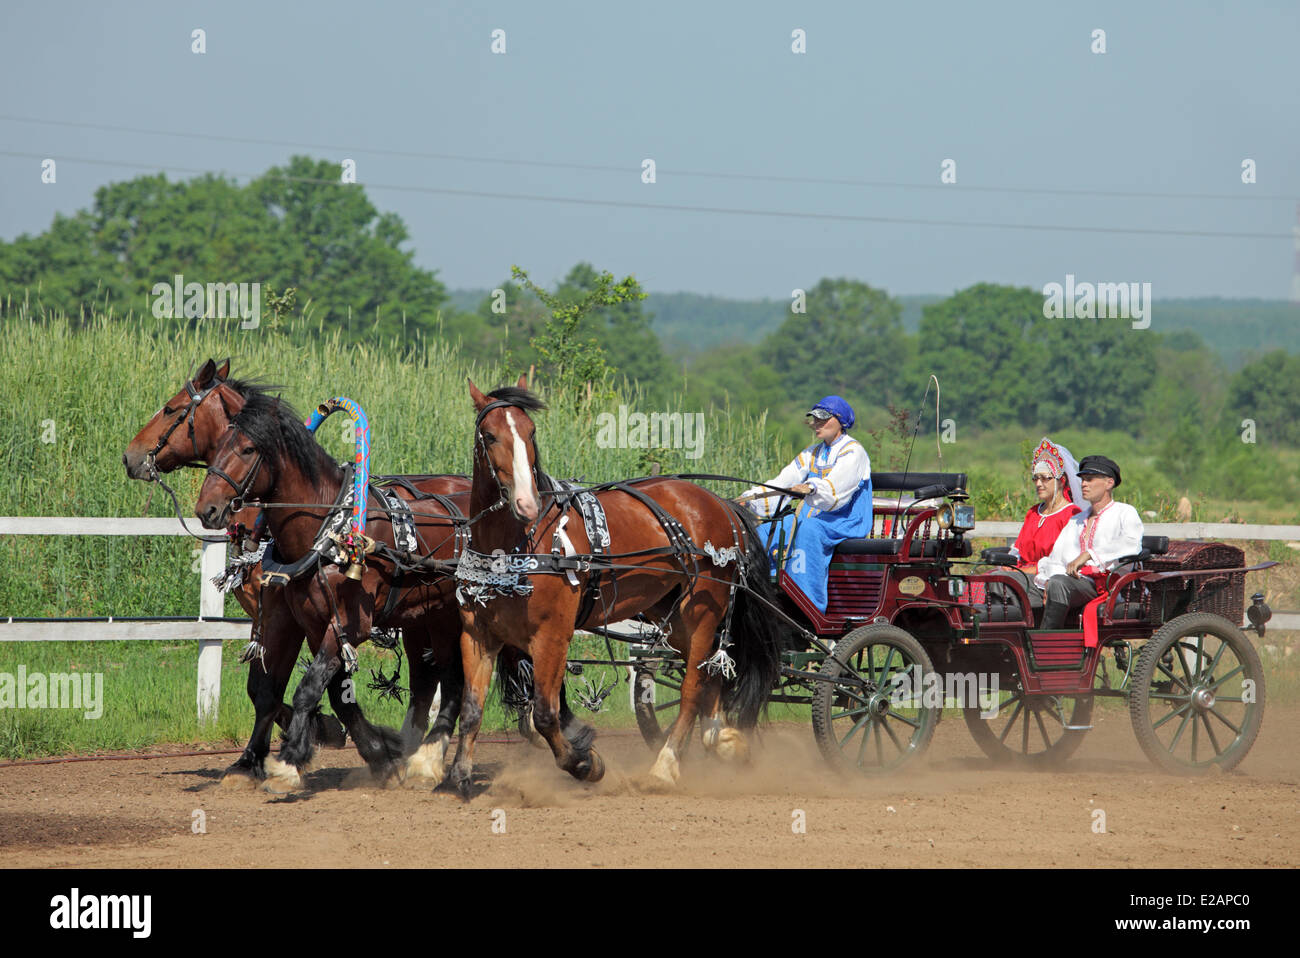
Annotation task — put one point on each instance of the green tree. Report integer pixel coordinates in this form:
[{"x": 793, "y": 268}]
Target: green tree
[
  {"x": 574, "y": 362},
  {"x": 1181, "y": 421},
  {"x": 293, "y": 226},
  {"x": 1097, "y": 372},
  {"x": 850, "y": 340},
  {"x": 978, "y": 342},
  {"x": 1000, "y": 361},
  {"x": 623, "y": 330},
  {"x": 1268, "y": 392}
]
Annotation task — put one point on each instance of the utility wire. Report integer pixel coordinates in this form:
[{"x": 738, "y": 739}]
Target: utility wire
[
  {"x": 1250, "y": 194},
  {"x": 682, "y": 208}
]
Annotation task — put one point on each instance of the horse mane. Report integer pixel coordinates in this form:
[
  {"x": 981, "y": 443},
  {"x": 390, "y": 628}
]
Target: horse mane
[
  {"x": 529, "y": 402},
  {"x": 523, "y": 398},
  {"x": 275, "y": 427}
]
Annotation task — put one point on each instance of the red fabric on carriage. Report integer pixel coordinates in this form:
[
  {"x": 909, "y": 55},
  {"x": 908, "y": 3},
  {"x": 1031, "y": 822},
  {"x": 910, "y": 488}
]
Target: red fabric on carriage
[{"x": 1091, "y": 613}]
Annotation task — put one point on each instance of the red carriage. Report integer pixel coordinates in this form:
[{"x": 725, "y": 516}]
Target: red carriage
[{"x": 912, "y": 626}]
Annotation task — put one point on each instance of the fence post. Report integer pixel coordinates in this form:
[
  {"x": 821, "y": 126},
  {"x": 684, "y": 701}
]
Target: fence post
[{"x": 211, "y": 605}]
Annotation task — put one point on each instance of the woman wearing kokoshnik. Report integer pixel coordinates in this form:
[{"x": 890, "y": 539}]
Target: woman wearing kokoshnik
[
  {"x": 834, "y": 474},
  {"x": 1052, "y": 470}
]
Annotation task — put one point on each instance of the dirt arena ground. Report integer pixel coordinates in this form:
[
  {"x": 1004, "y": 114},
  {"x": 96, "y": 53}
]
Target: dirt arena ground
[{"x": 956, "y": 810}]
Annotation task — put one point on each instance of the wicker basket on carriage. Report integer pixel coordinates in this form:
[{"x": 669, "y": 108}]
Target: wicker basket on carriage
[{"x": 1223, "y": 594}]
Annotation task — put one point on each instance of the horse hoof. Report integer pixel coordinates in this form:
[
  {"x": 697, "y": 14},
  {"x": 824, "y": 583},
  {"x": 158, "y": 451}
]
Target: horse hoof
[
  {"x": 281, "y": 778},
  {"x": 732, "y": 746},
  {"x": 666, "y": 770},
  {"x": 596, "y": 767},
  {"x": 463, "y": 783},
  {"x": 238, "y": 777},
  {"x": 425, "y": 767}
]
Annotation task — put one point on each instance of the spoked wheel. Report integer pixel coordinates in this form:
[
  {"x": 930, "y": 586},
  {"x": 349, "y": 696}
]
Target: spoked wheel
[
  {"x": 657, "y": 701},
  {"x": 1198, "y": 695},
  {"x": 861, "y": 721},
  {"x": 1034, "y": 731}
]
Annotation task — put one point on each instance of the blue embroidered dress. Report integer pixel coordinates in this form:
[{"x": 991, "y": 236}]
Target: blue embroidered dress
[{"x": 838, "y": 508}]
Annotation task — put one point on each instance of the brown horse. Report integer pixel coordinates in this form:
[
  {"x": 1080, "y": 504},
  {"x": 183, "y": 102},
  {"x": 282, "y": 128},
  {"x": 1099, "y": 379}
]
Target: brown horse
[
  {"x": 681, "y": 556},
  {"x": 267, "y": 453},
  {"x": 185, "y": 431}
]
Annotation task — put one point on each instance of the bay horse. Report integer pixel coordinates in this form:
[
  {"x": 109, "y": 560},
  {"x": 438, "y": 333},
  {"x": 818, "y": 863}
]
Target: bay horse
[
  {"x": 185, "y": 432},
  {"x": 681, "y": 555},
  {"x": 269, "y": 455}
]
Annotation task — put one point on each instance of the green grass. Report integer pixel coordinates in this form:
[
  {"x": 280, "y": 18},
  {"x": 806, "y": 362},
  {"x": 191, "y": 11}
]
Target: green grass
[
  {"x": 90, "y": 387},
  {"x": 149, "y": 696},
  {"x": 75, "y": 394}
]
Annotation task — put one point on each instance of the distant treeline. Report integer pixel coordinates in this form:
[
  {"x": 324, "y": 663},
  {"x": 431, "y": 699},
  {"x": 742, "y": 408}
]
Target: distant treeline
[{"x": 1206, "y": 374}]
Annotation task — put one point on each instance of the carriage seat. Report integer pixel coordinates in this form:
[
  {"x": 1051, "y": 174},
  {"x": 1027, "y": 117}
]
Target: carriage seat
[
  {"x": 1156, "y": 545},
  {"x": 892, "y": 547}
]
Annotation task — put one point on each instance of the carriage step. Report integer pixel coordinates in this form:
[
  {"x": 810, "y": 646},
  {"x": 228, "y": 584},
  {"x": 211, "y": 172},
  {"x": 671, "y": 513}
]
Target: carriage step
[{"x": 1076, "y": 728}]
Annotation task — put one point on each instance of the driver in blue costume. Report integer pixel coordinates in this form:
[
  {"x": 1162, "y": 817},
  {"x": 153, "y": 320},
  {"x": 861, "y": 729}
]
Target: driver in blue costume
[{"x": 834, "y": 474}]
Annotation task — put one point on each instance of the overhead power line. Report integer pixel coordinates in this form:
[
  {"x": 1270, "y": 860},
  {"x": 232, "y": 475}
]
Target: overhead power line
[
  {"x": 682, "y": 208},
  {"x": 625, "y": 170}
]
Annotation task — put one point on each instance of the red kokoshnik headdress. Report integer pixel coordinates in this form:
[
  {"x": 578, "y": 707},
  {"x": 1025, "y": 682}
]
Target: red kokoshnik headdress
[
  {"x": 1051, "y": 456},
  {"x": 1063, "y": 466}
]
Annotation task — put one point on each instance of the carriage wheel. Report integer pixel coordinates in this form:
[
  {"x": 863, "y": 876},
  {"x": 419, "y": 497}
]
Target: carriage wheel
[
  {"x": 1029, "y": 730},
  {"x": 657, "y": 701},
  {"x": 1198, "y": 695},
  {"x": 869, "y": 730}
]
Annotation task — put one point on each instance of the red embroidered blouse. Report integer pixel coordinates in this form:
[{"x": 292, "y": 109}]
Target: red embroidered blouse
[{"x": 1039, "y": 533}]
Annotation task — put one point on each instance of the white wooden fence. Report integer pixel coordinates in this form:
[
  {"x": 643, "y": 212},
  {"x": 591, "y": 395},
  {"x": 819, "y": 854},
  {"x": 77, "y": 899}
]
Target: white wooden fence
[{"x": 210, "y": 634}]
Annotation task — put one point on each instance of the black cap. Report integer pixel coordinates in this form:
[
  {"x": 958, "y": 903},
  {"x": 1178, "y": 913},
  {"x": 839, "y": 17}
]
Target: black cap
[{"x": 1099, "y": 466}]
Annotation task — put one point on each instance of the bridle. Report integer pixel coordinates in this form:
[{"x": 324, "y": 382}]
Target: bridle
[
  {"x": 187, "y": 416},
  {"x": 481, "y": 443},
  {"x": 243, "y": 487}
]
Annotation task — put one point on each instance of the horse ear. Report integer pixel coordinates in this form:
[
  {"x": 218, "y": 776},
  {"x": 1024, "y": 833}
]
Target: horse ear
[
  {"x": 205, "y": 374},
  {"x": 476, "y": 394},
  {"x": 223, "y": 371},
  {"x": 523, "y": 381},
  {"x": 231, "y": 402}
]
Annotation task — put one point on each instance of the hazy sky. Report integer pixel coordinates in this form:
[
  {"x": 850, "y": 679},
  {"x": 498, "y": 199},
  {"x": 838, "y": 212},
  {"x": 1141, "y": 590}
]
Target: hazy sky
[{"x": 885, "y": 93}]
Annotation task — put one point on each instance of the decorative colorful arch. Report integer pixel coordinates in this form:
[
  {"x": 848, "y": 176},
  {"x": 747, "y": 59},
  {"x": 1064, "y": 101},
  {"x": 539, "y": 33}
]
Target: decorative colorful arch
[{"x": 361, "y": 475}]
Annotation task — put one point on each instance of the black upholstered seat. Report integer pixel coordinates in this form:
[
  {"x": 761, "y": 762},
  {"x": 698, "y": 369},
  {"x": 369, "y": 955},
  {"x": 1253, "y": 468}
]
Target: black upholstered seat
[{"x": 1156, "y": 545}]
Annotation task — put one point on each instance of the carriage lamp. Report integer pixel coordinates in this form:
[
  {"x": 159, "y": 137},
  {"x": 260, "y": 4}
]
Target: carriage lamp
[
  {"x": 1258, "y": 612},
  {"x": 957, "y": 516}
]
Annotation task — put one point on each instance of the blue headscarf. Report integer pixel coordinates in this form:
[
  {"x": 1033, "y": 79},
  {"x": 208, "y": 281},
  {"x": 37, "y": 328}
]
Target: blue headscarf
[{"x": 837, "y": 407}]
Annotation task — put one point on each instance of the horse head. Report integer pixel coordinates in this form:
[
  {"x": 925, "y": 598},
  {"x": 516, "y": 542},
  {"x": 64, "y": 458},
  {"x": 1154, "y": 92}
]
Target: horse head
[
  {"x": 238, "y": 472},
  {"x": 186, "y": 426},
  {"x": 505, "y": 448}
]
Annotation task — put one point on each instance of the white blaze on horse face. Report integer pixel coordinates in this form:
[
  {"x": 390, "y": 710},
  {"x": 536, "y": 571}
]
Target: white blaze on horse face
[{"x": 523, "y": 493}]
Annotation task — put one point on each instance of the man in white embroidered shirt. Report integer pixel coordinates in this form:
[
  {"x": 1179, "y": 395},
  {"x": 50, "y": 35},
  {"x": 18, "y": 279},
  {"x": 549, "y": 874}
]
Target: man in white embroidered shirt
[{"x": 1088, "y": 545}]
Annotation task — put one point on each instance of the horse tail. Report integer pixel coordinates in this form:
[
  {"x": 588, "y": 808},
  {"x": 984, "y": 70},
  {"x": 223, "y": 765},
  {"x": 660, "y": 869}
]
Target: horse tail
[
  {"x": 759, "y": 637},
  {"x": 514, "y": 688},
  {"x": 514, "y": 685}
]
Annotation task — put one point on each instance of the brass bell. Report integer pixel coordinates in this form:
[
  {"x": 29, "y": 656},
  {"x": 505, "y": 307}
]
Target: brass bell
[{"x": 355, "y": 571}]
